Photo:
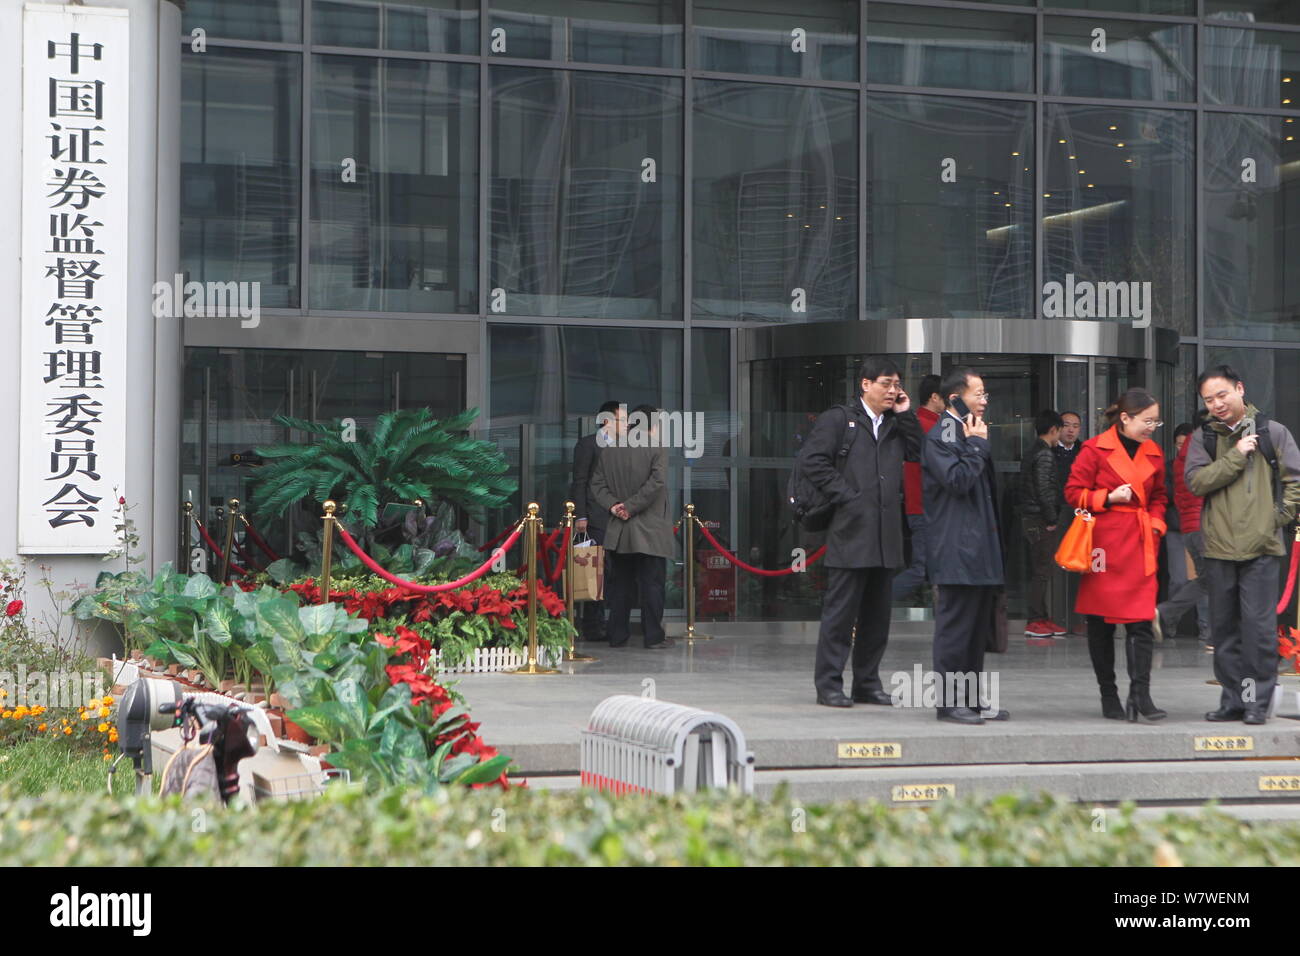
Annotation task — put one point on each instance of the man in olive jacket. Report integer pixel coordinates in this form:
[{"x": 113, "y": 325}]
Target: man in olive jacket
[
  {"x": 864, "y": 544},
  {"x": 630, "y": 484},
  {"x": 1246, "y": 507}
]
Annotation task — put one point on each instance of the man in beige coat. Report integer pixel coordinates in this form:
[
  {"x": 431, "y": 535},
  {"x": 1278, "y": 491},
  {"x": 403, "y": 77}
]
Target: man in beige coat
[{"x": 630, "y": 483}]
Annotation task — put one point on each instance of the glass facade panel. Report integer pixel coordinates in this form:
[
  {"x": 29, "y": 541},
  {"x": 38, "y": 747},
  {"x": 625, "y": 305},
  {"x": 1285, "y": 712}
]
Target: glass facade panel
[
  {"x": 1127, "y": 59},
  {"x": 418, "y": 26},
  {"x": 636, "y": 33},
  {"x": 965, "y": 49},
  {"x": 1186, "y": 8},
  {"x": 816, "y": 39},
  {"x": 950, "y": 207},
  {"x": 1254, "y": 11},
  {"x": 547, "y": 384},
  {"x": 241, "y": 160},
  {"x": 1252, "y": 227},
  {"x": 271, "y": 21},
  {"x": 776, "y": 202},
  {"x": 401, "y": 234},
  {"x": 1118, "y": 228},
  {"x": 1253, "y": 68},
  {"x": 585, "y": 196}
]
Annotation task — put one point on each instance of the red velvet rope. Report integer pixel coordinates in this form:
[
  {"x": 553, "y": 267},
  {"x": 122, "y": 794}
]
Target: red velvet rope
[
  {"x": 216, "y": 550},
  {"x": 370, "y": 562},
  {"x": 764, "y": 572},
  {"x": 495, "y": 541},
  {"x": 248, "y": 558},
  {"x": 1290, "y": 579},
  {"x": 260, "y": 541}
]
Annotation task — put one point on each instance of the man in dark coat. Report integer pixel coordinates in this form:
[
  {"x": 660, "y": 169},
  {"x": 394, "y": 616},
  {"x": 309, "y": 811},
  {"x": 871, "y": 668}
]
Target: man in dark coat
[
  {"x": 864, "y": 544},
  {"x": 1040, "y": 505},
  {"x": 591, "y": 519},
  {"x": 630, "y": 484},
  {"x": 965, "y": 547}
]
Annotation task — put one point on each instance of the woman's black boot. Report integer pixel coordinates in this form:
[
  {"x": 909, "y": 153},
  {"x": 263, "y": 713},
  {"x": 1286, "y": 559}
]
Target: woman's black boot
[
  {"x": 1101, "y": 648},
  {"x": 1140, "y": 642}
]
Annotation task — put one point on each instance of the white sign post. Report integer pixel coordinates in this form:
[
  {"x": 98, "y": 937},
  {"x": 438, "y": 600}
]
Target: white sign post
[{"x": 73, "y": 319}]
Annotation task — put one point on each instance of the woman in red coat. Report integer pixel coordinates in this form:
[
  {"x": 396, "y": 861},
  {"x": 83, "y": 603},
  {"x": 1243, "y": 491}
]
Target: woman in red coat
[{"x": 1120, "y": 476}]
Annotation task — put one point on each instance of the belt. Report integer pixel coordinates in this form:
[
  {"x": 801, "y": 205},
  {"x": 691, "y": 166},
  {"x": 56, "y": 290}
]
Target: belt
[{"x": 1150, "y": 562}]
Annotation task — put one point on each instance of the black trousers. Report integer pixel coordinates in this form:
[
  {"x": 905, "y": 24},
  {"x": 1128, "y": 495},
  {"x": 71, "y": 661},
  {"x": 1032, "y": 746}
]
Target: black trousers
[
  {"x": 1042, "y": 551},
  {"x": 963, "y": 620},
  {"x": 626, "y": 575},
  {"x": 1243, "y": 621},
  {"x": 855, "y": 597}
]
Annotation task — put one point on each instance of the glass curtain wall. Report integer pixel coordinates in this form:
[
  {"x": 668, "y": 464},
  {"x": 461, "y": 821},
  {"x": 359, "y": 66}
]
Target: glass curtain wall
[{"x": 612, "y": 190}]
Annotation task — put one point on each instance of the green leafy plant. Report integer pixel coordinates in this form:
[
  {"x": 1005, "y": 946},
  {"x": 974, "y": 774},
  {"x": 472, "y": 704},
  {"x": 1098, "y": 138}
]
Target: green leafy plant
[{"x": 408, "y": 455}]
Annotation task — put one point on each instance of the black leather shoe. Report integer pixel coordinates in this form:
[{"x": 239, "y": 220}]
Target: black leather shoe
[
  {"x": 959, "y": 715},
  {"x": 836, "y": 699},
  {"x": 1222, "y": 715},
  {"x": 873, "y": 697},
  {"x": 662, "y": 645},
  {"x": 1255, "y": 714},
  {"x": 995, "y": 714}
]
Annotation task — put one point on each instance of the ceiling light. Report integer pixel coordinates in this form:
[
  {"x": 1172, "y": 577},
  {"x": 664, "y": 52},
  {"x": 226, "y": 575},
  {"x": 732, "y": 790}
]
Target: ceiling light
[
  {"x": 1006, "y": 204},
  {"x": 1072, "y": 156},
  {"x": 1061, "y": 141},
  {"x": 1120, "y": 145},
  {"x": 1015, "y": 154},
  {"x": 1112, "y": 128},
  {"x": 1047, "y": 195}
]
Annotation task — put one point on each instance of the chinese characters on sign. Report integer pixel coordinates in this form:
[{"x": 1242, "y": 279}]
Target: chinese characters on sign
[
  {"x": 73, "y": 324},
  {"x": 872, "y": 750},
  {"x": 914, "y": 792},
  {"x": 1234, "y": 744}
]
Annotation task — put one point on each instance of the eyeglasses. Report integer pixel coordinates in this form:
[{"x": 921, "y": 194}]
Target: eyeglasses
[
  {"x": 1147, "y": 423},
  {"x": 894, "y": 386},
  {"x": 983, "y": 395}
]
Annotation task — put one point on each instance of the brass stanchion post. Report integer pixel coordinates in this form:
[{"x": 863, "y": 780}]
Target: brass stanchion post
[
  {"x": 573, "y": 654},
  {"x": 187, "y": 512},
  {"x": 689, "y": 528},
  {"x": 327, "y": 550},
  {"x": 230, "y": 539},
  {"x": 531, "y": 525}
]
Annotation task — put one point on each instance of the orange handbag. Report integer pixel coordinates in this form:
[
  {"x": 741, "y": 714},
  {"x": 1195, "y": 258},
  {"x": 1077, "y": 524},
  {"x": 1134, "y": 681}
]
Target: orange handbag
[{"x": 1075, "y": 550}]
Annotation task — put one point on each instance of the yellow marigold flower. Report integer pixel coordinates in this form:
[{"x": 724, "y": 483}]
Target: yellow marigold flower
[
  {"x": 41, "y": 728},
  {"x": 93, "y": 703},
  {"x": 67, "y": 730},
  {"x": 20, "y": 712},
  {"x": 105, "y": 711},
  {"x": 85, "y": 715},
  {"x": 107, "y": 755},
  {"x": 102, "y": 728},
  {"x": 108, "y": 700},
  {"x": 37, "y": 711},
  {"x": 3, "y": 692},
  {"x": 6, "y": 715}
]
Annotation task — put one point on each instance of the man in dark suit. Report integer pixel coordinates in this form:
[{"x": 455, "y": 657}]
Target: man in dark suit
[
  {"x": 591, "y": 519},
  {"x": 630, "y": 484},
  {"x": 965, "y": 545},
  {"x": 864, "y": 544}
]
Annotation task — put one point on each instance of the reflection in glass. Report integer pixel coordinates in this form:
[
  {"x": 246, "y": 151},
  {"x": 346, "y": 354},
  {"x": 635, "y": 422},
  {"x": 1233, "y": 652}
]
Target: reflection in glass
[
  {"x": 814, "y": 39},
  {"x": 232, "y": 395},
  {"x": 959, "y": 49},
  {"x": 1254, "y": 11},
  {"x": 645, "y": 33},
  {"x": 1252, "y": 227},
  {"x": 420, "y": 26},
  {"x": 586, "y": 184},
  {"x": 274, "y": 21},
  {"x": 240, "y": 169},
  {"x": 950, "y": 207},
  {"x": 402, "y": 236},
  {"x": 711, "y": 388},
  {"x": 1127, "y": 60},
  {"x": 776, "y": 202},
  {"x": 1119, "y": 215},
  {"x": 1257, "y": 68}
]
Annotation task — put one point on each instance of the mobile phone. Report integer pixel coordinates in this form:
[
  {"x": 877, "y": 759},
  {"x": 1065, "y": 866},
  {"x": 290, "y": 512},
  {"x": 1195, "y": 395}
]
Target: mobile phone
[{"x": 960, "y": 407}]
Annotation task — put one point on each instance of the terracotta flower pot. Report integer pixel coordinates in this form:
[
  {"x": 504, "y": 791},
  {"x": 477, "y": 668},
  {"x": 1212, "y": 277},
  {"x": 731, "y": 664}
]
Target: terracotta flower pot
[{"x": 293, "y": 732}]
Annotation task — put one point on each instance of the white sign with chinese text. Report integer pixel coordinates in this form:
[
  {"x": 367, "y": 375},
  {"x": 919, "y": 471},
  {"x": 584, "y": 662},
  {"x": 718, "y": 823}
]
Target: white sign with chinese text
[{"x": 73, "y": 320}]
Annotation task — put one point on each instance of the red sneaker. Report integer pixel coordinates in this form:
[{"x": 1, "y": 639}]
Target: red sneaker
[
  {"x": 1057, "y": 630},
  {"x": 1039, "y": 629}
]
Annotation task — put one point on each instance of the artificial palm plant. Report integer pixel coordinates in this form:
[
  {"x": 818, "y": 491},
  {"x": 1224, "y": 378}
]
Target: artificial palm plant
[{"x": 408, "y": 455}]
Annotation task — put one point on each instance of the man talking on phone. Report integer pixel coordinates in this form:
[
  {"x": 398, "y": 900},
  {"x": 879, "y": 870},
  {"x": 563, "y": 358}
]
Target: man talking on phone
[{"x": 965, "y": 545}]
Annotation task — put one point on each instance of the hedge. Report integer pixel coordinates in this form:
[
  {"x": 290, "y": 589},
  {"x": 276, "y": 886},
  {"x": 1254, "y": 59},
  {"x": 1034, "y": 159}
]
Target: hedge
[{"x": 523, "y": 827}]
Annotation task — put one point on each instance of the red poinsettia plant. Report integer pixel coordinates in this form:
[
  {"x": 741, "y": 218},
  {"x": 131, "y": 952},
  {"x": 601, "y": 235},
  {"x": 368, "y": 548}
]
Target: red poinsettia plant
[{"x": 1288, "y": 645}]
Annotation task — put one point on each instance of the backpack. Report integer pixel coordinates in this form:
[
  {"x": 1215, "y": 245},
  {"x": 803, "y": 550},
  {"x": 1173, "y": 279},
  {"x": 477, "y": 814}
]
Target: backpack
[
  {"x": 1265, "y": 448},
  {"x": 813, "y": 508}
]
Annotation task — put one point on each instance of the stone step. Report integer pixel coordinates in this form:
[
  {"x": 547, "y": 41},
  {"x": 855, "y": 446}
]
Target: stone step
[{"x": 1155, "y": 783}]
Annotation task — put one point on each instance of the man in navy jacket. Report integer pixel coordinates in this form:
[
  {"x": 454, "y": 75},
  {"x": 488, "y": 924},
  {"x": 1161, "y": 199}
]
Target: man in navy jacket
[{"x": 964, "y": 545}]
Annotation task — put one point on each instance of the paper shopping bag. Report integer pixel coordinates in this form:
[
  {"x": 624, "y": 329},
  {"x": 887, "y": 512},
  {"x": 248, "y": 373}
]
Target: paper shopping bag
[{"x": 588, "y": 572}]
